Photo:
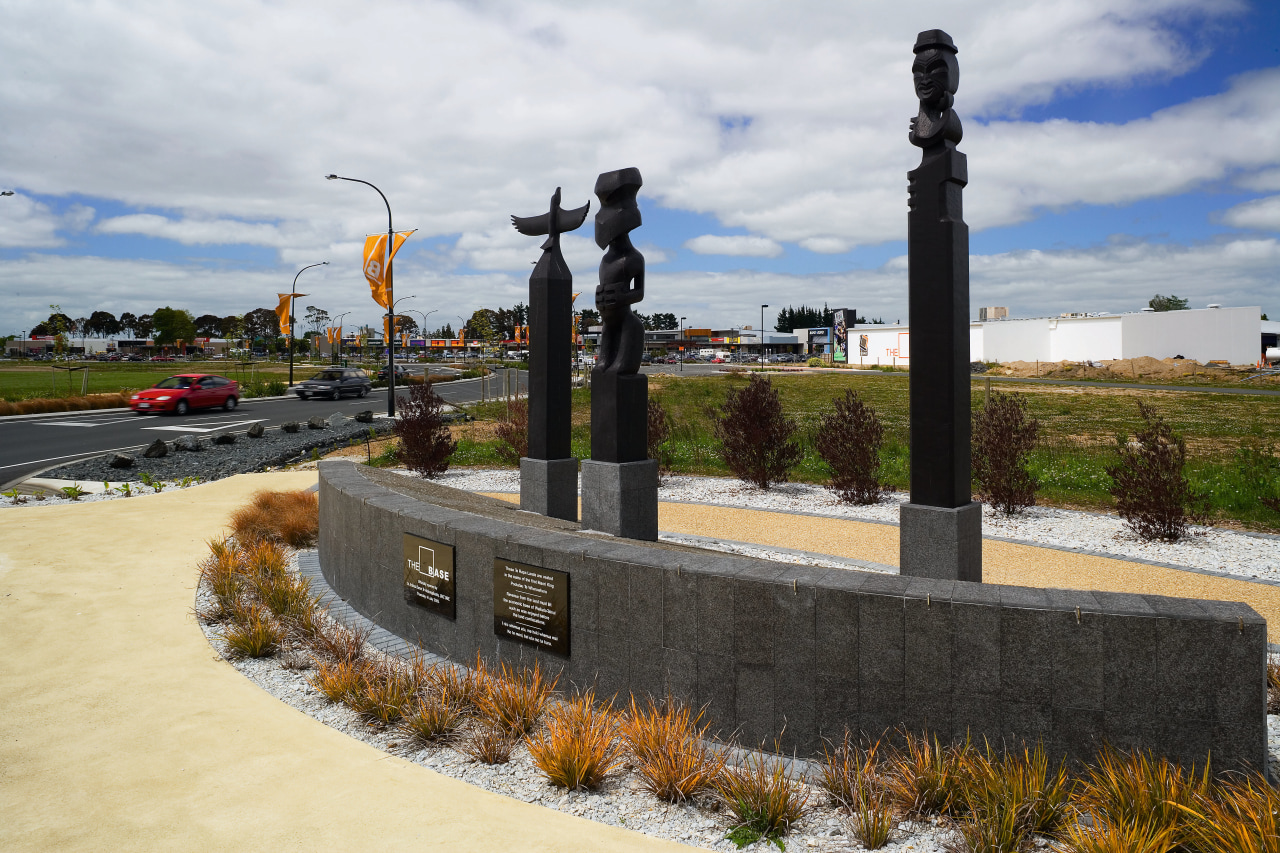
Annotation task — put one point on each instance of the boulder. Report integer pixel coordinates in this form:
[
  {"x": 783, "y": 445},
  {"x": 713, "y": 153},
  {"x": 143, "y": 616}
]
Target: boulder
[
  {"x": 336, "y": 420},
  {"x": 186, "y": 442},
  {"x": 365, "y": 417},
  {"x": 316, "y": 422},
  {"x": 156, "y": 449},
  {"x": 120, "y": 460},
  {"x": 289, "y": 426},
  {"x": 225, "y": 438},
  {"x": 256, "y": 431}
]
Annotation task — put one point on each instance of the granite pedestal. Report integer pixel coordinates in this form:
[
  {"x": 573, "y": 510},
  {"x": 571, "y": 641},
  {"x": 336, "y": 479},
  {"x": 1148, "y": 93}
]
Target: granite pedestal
[
  {"x": 550, "y": 487},
  {"x": 941, "y": 542},
  {"x": 621, "y": 498}
]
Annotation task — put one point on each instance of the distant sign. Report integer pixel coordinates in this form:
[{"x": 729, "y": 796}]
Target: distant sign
[
  {"x": 429, "y": 580},
  {"x": 531, "y": 605},
  {"x": 820, "y": 336}
]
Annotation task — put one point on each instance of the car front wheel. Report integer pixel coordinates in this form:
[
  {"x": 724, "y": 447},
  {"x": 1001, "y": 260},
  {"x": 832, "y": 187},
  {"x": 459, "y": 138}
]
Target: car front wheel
[
  {"x": 363, "y": 391},
  {"x": 302, "y": 395},
  {"x": 230, "y": 403},
  {"x": 181, "y": 408}
]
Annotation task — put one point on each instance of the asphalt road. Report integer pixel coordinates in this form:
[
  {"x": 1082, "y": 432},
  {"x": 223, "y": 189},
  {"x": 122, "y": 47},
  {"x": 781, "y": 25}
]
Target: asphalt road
[{"x": 31, "y": 444}]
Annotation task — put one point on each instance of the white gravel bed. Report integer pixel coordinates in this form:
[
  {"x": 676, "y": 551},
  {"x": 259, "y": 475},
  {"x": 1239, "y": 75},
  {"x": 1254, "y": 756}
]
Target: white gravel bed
[{"x": 1213, "y": 549}]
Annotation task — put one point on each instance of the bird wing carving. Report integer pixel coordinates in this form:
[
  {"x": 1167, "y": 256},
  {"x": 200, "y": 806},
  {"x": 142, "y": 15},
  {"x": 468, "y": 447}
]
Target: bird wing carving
[
  {"x": 571, "y": 219},
  {"x": 532, "y": 226}
]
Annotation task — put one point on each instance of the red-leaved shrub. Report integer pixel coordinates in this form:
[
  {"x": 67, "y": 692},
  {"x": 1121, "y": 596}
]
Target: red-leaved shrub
[
  {"x": 425, "y": 443},
  {"x": 755, "y": 434}
]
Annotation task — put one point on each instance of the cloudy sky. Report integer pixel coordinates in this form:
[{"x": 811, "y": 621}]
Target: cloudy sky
[{"x": 167, "y": 153}]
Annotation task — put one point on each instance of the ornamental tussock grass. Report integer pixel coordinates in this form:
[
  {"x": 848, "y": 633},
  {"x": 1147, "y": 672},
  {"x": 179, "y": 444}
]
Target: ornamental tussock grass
[
  {"x": 579, "y": 747},
  {"x": 336, "y": 680},
  {"x": 252, "y": 633},
  {"x": 1273, "y": 688},
  {"x": 515, "y": 699},
  {"x": 1243, "y": 816},
  {"x": 292, "y": 518},
  {"x": 1009, "y": 797},
  {"x": 851, "y": 776},
  {"x": 334, "y": 641},
  {"x": 223, "y": 574},
  {"x": 764, "y": 795},
  {"x": 434, "y": 720},
  {"x": 489, "y": 743},
  {"x": 670, "y": 749},
  {"x": 1107, "y": 837},
  {"x": 284, "y": 595},
  {"x": 385, "y": 691},
  {"x": 927, "y": 778},
  {"x": 1129, "y": 789},
  {"x": 459, "y": 685}
]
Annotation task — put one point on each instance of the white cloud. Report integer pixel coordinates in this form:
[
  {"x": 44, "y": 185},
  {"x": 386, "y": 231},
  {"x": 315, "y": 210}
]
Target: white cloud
[
  {"x": 734, "y": 244},
  {"x": 27, "y": 223},
  {"x": 1262, "y": 214}
]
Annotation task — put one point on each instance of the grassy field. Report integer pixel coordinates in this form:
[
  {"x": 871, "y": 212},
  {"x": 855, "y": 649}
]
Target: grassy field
[
  {"x": 30, "y": 380},
  {"x": 1230, "y": 437}
]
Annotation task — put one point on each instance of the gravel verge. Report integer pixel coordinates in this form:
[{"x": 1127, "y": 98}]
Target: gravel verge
[{"x": 214, "y": 461}]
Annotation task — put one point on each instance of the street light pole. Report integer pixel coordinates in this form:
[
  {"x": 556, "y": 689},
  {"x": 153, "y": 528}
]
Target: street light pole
[
  {"x": 391, "y": 236},
  {"x": 762, "y": 307},
  {"x": 682, "y": 319},
  {"x": 424, "y": 323},
  {"x": 337, "y": 353},
  {"x": 293, "y": 297}
]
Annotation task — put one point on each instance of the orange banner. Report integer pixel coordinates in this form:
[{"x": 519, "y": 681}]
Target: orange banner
[
  {"x": 282, "y": 311},
  {"x": 376, "y": 260}
]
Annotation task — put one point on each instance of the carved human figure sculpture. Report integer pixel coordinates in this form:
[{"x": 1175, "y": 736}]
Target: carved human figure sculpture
[
  {"x": 941, "y": 527},
  {"x": 621, "y": 273},
  {"x": 937, "y": 76}
]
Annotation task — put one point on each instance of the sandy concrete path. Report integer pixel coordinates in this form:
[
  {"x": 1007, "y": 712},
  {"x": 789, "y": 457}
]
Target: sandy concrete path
[{"x": 120, "y": 729}]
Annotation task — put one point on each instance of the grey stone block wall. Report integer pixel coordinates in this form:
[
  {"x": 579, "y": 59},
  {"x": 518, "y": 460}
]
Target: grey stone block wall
[{"x": 766, "y": 645}]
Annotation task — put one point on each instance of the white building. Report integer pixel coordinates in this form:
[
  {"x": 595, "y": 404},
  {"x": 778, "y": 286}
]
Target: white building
[{"x": 1232, "y": 335}]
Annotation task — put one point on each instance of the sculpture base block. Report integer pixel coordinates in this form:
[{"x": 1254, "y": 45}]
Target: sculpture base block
[
  {"x": 550, "y": 487},
  {"x": 621, "y": 498},
  {"x": 941, "y": 543},
  {"x": 619, "y": 417}
]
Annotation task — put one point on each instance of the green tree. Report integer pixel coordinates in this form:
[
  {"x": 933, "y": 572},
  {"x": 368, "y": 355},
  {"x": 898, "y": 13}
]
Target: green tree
[
  {"x": 128, "y": 323},
  {"x": 261, "y": 323},
  {"x": 316, "y": 318},
  {"x": 587, "y": 318},
  {"x": 102, "y": 324},
  {"x": 482, "y": 325},
  {"x": 144, "y": 325},
  {"x": 1167, "y": 303},
  {"x": 173, "y": 325},
  {"x": 209, "y": 326}
]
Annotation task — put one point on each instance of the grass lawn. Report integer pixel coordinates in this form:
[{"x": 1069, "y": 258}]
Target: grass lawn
[
  {"x": 29, "y": 380},
  {"x": 1079, "y": 428}
]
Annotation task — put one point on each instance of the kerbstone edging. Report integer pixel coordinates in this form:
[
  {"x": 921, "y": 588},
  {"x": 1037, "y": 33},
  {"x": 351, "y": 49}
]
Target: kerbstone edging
[{"x": 765, "y": 645}]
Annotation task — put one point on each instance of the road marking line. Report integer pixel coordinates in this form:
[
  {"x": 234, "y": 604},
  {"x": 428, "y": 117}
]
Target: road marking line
[
  {"x": 213, "y": 428},
  {"x": 71, "y": 456},
  {"x": 67, "y": 423}
]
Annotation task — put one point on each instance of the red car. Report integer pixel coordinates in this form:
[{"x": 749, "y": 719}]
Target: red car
[{"x": 186, "y": 391}]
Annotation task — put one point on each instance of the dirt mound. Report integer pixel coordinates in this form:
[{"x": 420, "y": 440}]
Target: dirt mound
[{"x": 1129, "y": 368}]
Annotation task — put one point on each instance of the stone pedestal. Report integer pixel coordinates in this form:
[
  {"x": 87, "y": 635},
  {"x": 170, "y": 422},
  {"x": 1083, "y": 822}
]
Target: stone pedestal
[
  {"x": 550, "y": 487},
  {"x": 941, "y": 543},
  {"x": 621, "y": 498}
]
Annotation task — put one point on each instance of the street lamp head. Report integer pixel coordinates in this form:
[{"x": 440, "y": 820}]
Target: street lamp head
[
  {"x": 6, "y": 192},
  {"x": 331, "y": 177}
]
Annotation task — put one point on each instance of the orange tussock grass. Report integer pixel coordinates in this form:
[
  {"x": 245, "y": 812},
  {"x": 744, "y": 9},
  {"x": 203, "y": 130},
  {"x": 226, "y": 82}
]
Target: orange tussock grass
[
  {"x": 224, "y": 574},
  {"x": 763, "y": 793},
  {"x": 434, "y": 719},
  {"x": 1127, "y": 789},
  {"x": 252, "y": 633},
  {"x": 336, "y": 679},
  {"x": 385, "y": 691},
  {"x": 579, "y": 748},
  {"x": 490, "y": 743},
  {"x": 670, "y": 750},
  {"x": 458, "y": 684},
  {"x": 851, "y": 776},
  {"x": 1006, "y": 798},
  {"x": 289, "y": 517},
  {"x": 514, "y": 699},
  {"x": 926, "y": 777},
  {"x": 1108, "y": 837},
  {"x": 336, "y": 642}
]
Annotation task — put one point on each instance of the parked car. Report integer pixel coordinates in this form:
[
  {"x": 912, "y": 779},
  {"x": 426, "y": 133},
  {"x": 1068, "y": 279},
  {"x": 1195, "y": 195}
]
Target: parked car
[
  {"x": 333, "y": 382},
  {"x": 186, "y": 391},
  {"x": 401, "y": 373}
]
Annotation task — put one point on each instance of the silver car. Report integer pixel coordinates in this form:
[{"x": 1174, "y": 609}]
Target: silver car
[{"x": 334, "y": 382}]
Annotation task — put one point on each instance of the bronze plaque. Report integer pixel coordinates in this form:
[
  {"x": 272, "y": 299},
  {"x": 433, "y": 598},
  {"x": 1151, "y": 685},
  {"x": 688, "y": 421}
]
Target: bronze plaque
[
  {"x": 531, "y": 604},
  {"x": 428, "y": 575}
]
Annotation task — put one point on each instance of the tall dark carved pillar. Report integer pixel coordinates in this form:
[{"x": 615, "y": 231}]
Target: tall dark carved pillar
[
  {"x": 549, "y": 474},
  {"x": 620, "y": 482},
  {"x": 941, "y": 527}
]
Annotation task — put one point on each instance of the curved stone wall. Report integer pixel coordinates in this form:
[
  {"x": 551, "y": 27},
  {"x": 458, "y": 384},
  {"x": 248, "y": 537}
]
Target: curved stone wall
[{"x": 765, "y": 645}]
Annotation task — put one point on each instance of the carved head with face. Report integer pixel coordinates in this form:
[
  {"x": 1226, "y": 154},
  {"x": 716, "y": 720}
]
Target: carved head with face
[{"x": 936, "y": 72}]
